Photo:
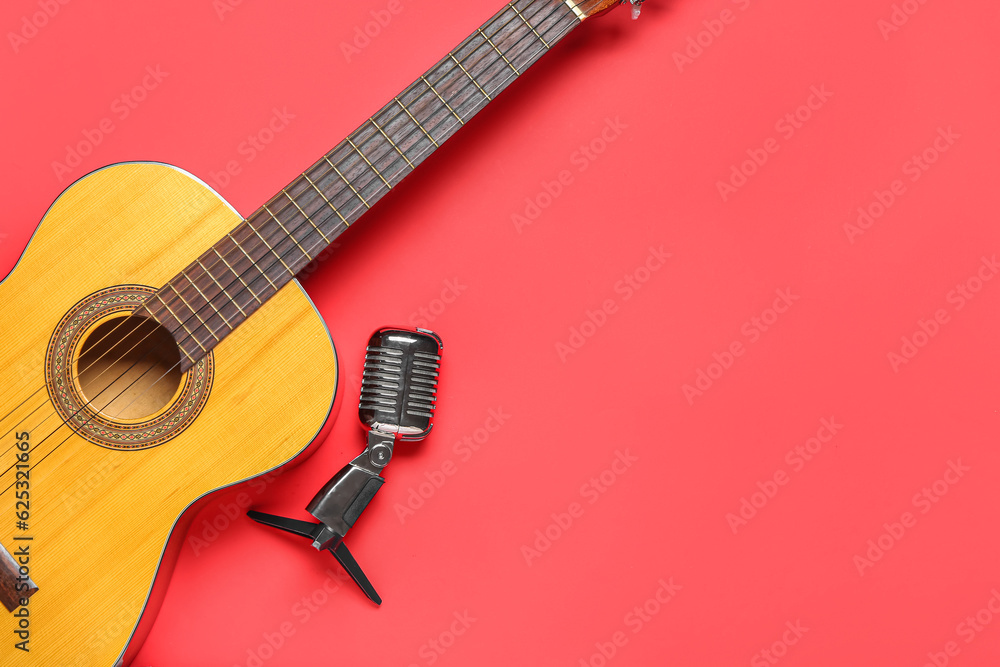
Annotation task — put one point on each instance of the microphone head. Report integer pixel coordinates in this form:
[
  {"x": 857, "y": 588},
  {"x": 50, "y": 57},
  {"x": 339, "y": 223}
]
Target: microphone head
[{"x": 399, "y": 384}]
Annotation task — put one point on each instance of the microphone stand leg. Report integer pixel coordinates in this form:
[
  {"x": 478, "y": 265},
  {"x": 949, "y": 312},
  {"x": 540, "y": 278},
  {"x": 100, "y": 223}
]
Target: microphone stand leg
[{"x": 346, "y": 560}]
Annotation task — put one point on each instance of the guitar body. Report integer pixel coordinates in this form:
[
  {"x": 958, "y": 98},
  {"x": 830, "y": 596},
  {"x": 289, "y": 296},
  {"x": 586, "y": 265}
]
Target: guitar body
[{"x": 106, "y": 518}]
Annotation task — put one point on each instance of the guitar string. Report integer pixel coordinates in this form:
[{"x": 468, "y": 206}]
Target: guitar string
[
  {"x": 306, "y": 221},
  {"x": 398, "y": 114},
  {"x": 317, "y": 246},
  {"x": 79, "y": 373}
]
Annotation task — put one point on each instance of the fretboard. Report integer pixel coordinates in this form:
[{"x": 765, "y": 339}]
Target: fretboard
[{"x": 223, "y": 287}]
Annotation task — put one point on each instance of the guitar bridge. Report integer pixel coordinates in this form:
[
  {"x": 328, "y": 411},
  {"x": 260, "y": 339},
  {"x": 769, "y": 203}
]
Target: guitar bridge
[{"x": 15, "y": 588}]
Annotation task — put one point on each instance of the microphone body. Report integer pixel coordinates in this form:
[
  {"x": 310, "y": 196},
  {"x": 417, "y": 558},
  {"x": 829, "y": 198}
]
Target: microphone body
[{"x": 398, "y": 396}]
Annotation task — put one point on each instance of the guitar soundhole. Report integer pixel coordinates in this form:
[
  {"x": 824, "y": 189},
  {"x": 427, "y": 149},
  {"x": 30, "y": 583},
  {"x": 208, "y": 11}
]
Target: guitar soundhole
[
  {"x": 115, "y": 379},
  {"x": 129, "y": 368}
]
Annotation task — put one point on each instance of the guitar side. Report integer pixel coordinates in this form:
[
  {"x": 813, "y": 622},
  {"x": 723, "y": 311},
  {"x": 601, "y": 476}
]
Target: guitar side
[{"x": 105, "y": 523}]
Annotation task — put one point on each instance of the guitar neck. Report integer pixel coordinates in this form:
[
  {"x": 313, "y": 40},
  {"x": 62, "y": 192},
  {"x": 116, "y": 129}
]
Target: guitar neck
[{"x": 224, "y": 286}]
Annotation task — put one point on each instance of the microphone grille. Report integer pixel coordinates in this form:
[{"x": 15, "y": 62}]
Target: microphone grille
[
  {"x": 399, "y": 383},
  {"x": 424, "y": 370}
]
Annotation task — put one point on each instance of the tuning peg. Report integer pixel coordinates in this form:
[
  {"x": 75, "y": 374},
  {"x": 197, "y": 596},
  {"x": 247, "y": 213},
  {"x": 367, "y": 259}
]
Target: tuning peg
[{"x": 636, "y": 7}]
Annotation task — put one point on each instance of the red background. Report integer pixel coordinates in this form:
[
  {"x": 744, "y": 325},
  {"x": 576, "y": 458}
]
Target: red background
[{"x": 794, "y": 562}]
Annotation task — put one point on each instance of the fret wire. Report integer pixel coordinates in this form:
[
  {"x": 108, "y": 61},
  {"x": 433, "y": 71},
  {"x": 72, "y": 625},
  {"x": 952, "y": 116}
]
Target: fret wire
[
  {"x": 172, "y": 313},
  {"x": 198, "y": 289},
  {"x": 480, "y": 31},
  {"x": 456, "y": 86},
  {"x": 254, "y": 230},
  {"x": 306, "y": 176},
  {"x": 410, "y": 140},
  {"x": 489, "y": 69},
  {"x": 559, "y": 22},
  {"x": 485, "y": 94},
  {"x": 349, "y": 184},
  {"x": 193, "y": 311},
  {"x": 431, "y": 87},
  {"x": 231, "y": 299},
  {"x": 288, "y": 232},
  {"x": 518, "y": 12},
  {"x": 520, "y": 52},
  {"x": 530, "y": 5},
  {"x": 558, "y": 26},
  {"x": 379, "y": 128},
  {"x": 203, "y": 323},
  {"x": 413, "y": 118},
  {"x": 376, "y": 175},
  {"x": 506, "y": 24},
  {"x": 433, "y": 90},
  {"x": 252, "y": 262},
  {"x": 238, "y": 275},
  {"x": 436, "y": 104},
  {"x": 580, "y": 15},
  {"x": 148, "y": 305},
  {"x": 377, "y": 172},
  {"x": 284, "y": 191},
  {"x": 187, "y": 354}
]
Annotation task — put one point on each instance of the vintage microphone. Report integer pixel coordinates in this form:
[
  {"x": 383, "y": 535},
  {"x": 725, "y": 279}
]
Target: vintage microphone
[{"x": 398, "y": 397}]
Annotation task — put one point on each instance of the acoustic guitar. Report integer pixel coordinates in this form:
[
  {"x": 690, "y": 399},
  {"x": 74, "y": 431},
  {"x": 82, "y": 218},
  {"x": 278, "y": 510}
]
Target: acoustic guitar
[{"x": 142, "y": 383}]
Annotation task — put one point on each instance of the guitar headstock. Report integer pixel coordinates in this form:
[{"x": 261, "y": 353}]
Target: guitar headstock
[{"x": 586, "y": 9}]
